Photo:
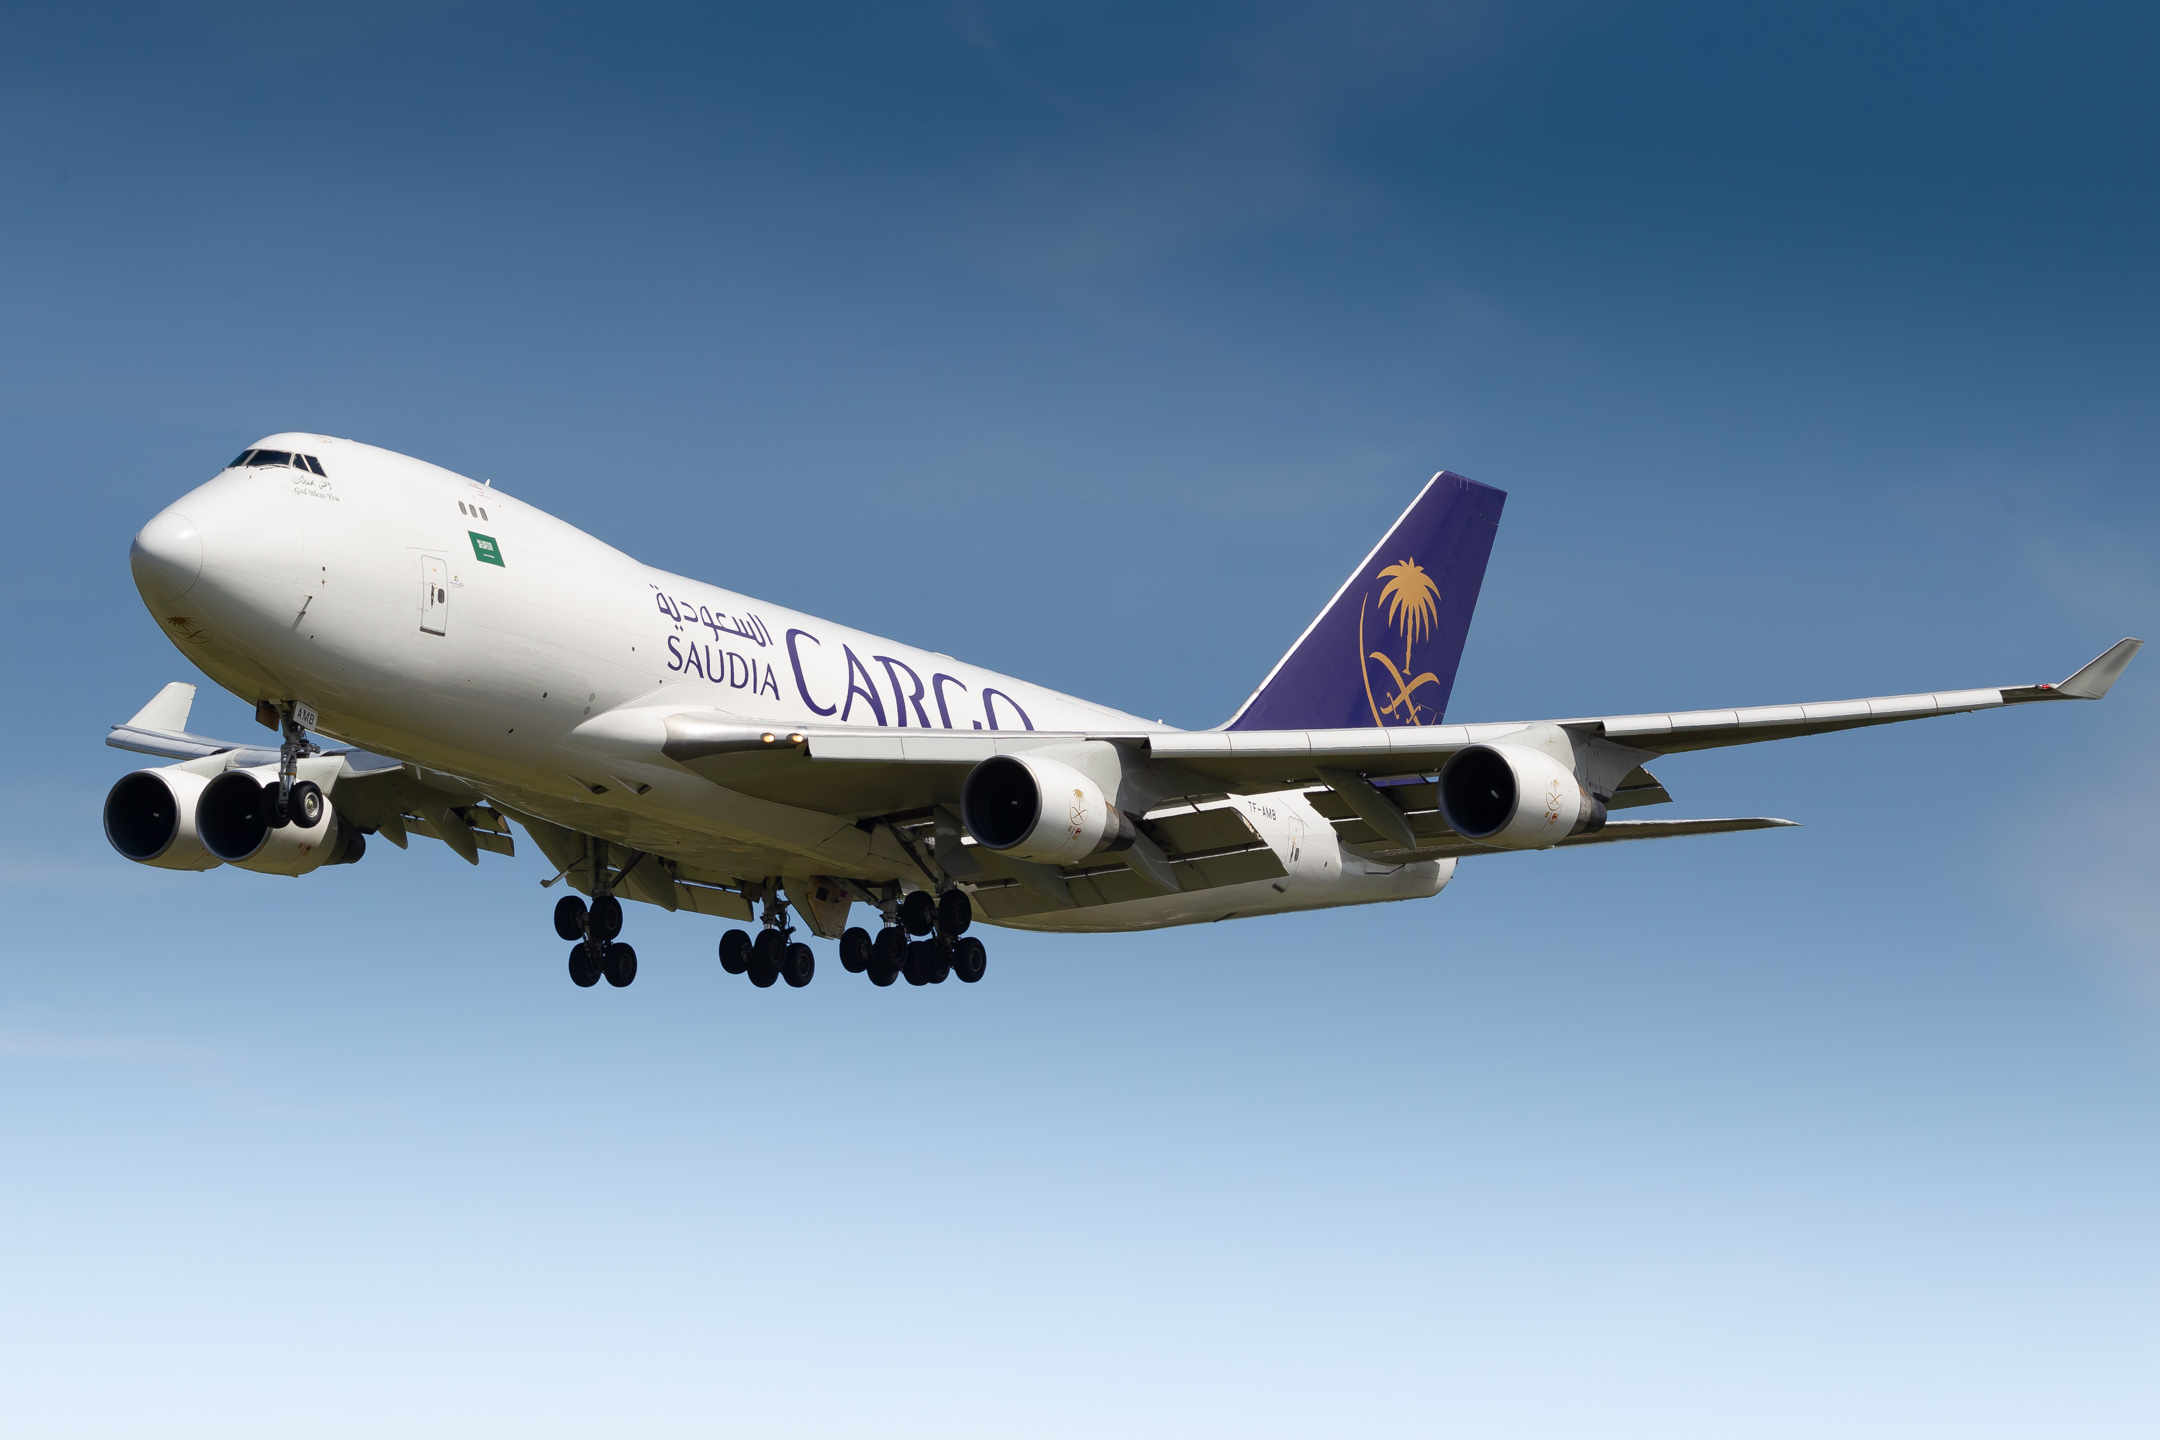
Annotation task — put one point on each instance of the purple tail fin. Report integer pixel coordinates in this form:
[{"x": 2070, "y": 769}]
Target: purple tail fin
[{"x": 1384, "y": 651}]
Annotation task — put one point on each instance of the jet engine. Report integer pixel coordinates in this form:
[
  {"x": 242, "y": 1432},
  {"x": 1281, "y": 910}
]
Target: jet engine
[
  {"x": 1515, "y": 798},
  {"x": 1034, "y": 808},
  {"x": 236, "y": 818},
  {"x": 150, "y": 818}
]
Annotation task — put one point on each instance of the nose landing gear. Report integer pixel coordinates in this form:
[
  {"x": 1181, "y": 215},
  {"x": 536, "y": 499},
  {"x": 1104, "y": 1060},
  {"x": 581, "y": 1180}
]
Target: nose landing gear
[{"x": 291, "y": 801}]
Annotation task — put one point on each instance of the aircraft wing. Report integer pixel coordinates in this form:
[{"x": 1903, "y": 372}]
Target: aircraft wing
[
  {"x": 381, "y": 795},
  {"x": 858, "y": 770},
  {"x": 1290, "y": 757}
]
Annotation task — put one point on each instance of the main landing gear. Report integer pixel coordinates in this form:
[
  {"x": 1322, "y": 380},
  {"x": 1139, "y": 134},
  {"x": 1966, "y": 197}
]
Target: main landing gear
[
  {"x": 938, "y": 947},
  {"x": 941, "y": 948},
  {"x": 940, "y": 951},
  {"x": 774, "y": 954},
  {"x": 596, "y": 952}
]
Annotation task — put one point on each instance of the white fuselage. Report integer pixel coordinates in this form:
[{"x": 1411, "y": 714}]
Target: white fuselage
[{"x": 437, "y": 620}]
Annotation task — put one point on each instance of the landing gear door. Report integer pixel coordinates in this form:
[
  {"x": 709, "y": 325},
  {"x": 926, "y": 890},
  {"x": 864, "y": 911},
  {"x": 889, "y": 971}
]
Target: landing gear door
[{"x": 434, "y": 596}]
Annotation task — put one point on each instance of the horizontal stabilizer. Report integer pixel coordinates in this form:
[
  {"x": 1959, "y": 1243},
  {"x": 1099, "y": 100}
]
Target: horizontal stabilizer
[
  {"x": 1435, "y": 842},
  {"x": 1671, "y": 829},
  {"x": 1627, "y": 830}
]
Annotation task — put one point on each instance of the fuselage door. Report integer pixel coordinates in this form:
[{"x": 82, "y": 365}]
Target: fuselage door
[{"x": 434, "y": 596}]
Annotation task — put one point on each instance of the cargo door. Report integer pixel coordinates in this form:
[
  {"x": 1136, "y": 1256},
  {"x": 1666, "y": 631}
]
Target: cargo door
[{"x": 434, "y": 596}]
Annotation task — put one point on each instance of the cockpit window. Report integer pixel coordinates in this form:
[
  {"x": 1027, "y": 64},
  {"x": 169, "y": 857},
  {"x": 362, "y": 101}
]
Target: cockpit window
[
  {"x": 270, "y": 457},
  {"x": 316, "y": 466},
  {"x": 240, "y": 460}
]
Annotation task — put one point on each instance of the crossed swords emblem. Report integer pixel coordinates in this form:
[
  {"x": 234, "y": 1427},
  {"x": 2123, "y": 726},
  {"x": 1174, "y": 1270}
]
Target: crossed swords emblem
[{"x": 1413, "y": 607}]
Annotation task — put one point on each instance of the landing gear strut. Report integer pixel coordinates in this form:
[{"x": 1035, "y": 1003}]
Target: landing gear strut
[
  {"x": 294, "y": 800},
  {"x": 594, "y": 928},
  {"x": 774, "y": 954}
]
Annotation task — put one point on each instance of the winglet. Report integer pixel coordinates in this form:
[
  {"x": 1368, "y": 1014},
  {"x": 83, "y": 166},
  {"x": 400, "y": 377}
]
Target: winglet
[
  {"x": 2096, "y": 679},
  {"x": 2090, "y": 683},
  {"x": 167, "y": 710}
]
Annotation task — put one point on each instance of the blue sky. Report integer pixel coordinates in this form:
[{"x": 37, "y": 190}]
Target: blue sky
[{"x": 1816, "y": 350}]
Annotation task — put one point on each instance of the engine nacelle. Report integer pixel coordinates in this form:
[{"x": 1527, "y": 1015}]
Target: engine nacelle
[
  {"x": 234, "y": 819},
  {"x": 150, "y": 818},
  {"x": 1515, "y": 798},
  {"x": 1034, "y": 808}
]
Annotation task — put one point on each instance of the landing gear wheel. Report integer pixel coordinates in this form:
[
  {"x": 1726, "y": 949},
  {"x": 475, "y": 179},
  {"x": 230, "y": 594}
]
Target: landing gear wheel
[
  {"x": 765, "y": 957},
  {"x": 888, "y": 956},
  {"x": 621, "y": 966},
  {"x": 735, "y": 951},
  {"x": 570, "y": 918},
  {"x": 798, "y": 966},
  {"x": 583, "y": 972},
  {"x": 855, "y": 950},
  {"x": 606, "y": 917},
  {"x": 305, "y": 806},
  {"x": 918, "y": 912},
  {"x": 937, "y": 960},
  {"x": 968, "y": 959},
  {"x": 953, "y": 914}
]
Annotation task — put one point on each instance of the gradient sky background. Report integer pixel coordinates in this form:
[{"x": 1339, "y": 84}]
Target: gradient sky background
[{"x": 1816, "y": 347}]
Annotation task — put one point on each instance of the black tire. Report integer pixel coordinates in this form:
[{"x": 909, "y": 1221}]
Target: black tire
[
  {"x": 273, "y": 815},
  {"x": 918, "y": 912},
  {"x": 855, "y": 950},
  {"x": 969, "y": 959},
  {"x": 798, "y": 966},
  {"x": 765, "y": 957},
  {"x": 305, "y": 806},
  {"x": 936, "y": 963},
  {"x": 954, "y": 914},
  {"x": 570, "y": 918},
  {"x": 621, "y": 966},
  {"x": 888, "y": 955},
  {"x": 917, "y": 966},
  {"x": 735, "y": 951},
  {"x": 605, "y": 917},
  {"x": 583, "y": 973}
]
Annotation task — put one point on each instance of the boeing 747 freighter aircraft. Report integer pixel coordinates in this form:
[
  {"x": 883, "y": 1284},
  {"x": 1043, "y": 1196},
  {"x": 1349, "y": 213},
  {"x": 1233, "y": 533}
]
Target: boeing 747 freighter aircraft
[{"x": 480, "y": 662}]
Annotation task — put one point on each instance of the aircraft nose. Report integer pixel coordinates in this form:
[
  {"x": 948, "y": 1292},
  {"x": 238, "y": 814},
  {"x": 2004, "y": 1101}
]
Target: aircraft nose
[{"x": 167, "y": 557}]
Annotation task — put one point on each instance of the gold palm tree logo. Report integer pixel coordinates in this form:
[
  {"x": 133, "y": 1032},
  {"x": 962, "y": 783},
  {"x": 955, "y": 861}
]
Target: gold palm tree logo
[
  {"x": 1412, "y": 599},
  {"x": 1410, "y": 592}
]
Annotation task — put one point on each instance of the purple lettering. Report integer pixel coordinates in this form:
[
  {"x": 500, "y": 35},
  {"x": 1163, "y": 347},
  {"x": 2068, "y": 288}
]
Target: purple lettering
[
  {"x": 867, "y": 689},
  {"x": 802, "y": 686}
]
